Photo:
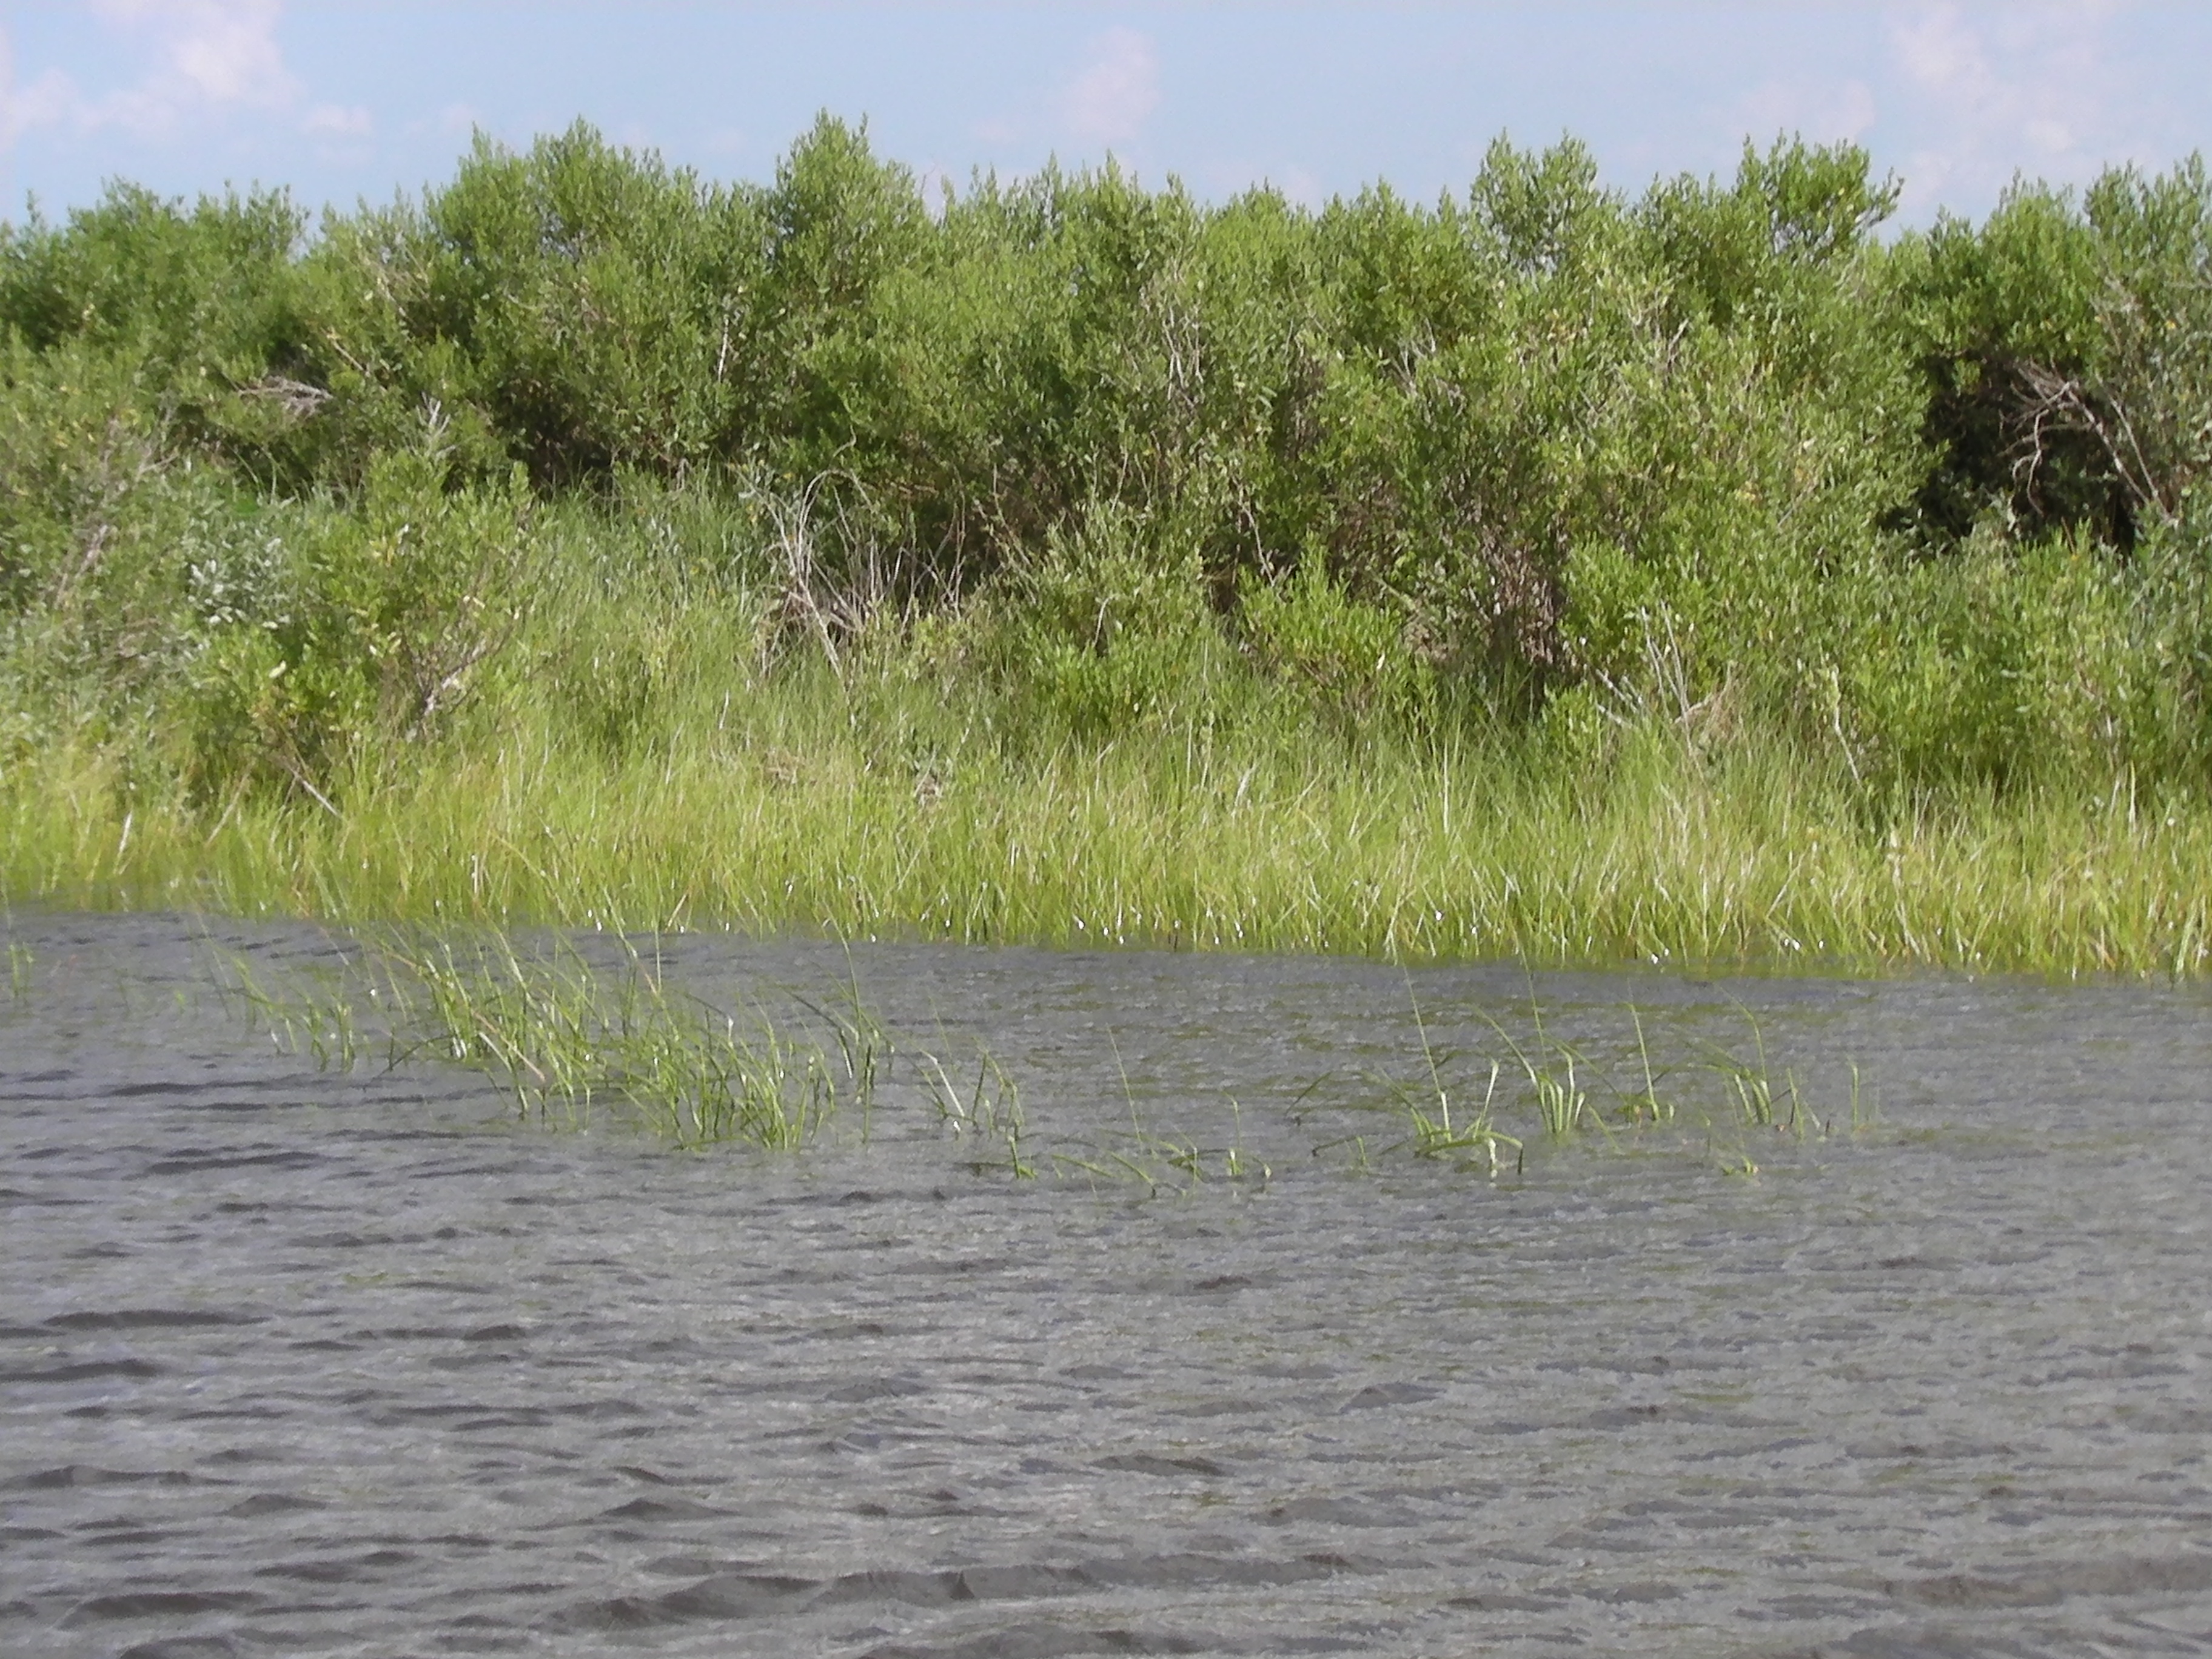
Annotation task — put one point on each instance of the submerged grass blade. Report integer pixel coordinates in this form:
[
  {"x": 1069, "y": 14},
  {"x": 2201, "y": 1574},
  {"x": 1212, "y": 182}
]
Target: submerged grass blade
[
  {"x": 572, "y": 1039},
  {"x": 989, "y": 1109},
  {"x": 567, "y": 1040}
]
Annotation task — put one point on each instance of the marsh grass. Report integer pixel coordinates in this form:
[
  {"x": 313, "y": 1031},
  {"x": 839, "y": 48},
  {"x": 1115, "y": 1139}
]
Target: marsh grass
[
  {"x": 796, "y": 803},
  {"x": 572, "y": 1037},
  {"x": 1636, "y": 1106},
  {"x": 989, "y": 1109},
  {"x": 1531, "y": 1072},
  {"x": 1162, "y": 1164},
  {"x": 567, "y": 1040},
  {"x": 1762, "y": 1102},
  {"x": 1160, "y": 1161},
  {"x": 1429, "y": 1116},
  {"x": 1562, "y": 1105}
]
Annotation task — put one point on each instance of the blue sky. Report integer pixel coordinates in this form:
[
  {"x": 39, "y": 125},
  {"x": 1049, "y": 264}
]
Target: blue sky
[{"x": 342, "y": 101}]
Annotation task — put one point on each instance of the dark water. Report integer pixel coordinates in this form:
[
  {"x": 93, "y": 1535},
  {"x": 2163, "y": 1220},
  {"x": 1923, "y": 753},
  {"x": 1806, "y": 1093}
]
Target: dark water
[{"x": 294, "y": 1363}]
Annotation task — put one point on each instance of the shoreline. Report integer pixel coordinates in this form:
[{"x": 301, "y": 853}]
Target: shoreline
[{"x": 1736, "y": 866}]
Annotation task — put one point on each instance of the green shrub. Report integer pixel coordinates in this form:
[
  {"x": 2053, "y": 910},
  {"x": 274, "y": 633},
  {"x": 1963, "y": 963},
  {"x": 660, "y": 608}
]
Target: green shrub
[
  {"x": 2065, "y": 343},
  {"x": 1108, "y": 632},
  {"x": 1340, "y": 654},
  {"x": 1133, "y": 458},
  {"x": 350, "y": 628}
]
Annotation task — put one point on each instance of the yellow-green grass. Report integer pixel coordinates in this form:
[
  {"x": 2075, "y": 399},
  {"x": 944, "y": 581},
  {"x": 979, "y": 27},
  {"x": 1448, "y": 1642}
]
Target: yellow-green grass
[
  {"x": 566, "y": 1039},
  {"x": 797, "y": 819}
]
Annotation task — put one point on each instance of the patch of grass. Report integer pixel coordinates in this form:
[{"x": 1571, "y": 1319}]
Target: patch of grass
[
  {"x": 1160, "y": 1161},
  {"x": 988, "y": 1110},
  {"x": 1562, "y": 1105},
  {"x": 1429, "y": 1116},
  {"x": 565, "y": 1039},
  {"x": 572, "y": 1035},
  {"x": 1560, "y": 1083},
  {"x": 1763, "y": 1102},
  {"x": 1280, "y": 839}
]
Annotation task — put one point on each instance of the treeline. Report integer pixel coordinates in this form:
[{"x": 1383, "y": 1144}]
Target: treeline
[{"x": 1726, "y": 454}]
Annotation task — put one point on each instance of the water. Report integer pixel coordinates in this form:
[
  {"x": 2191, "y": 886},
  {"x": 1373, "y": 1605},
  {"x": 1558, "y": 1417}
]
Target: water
[{"x": 296, "y": 1364}]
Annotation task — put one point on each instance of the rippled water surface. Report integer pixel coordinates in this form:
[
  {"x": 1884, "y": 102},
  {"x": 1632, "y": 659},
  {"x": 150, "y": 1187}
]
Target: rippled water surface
[{"x": 292, "y": 1362}]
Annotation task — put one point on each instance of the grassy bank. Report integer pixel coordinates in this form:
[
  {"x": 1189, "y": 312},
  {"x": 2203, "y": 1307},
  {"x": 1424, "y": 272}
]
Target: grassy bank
[
  {"x": 1697, "y": 577},
  {"x": 794, "y": 818}
]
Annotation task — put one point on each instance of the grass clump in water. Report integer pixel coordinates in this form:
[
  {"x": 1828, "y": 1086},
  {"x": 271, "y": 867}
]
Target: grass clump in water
[
  {"x": 1559, "y": 1086},
  {"x": 1436, "y": 1136},
  {"x": 566, "y": 1040},
  {"x": 570, "y": 1037},
  {"x": 988, "y": 1110}
]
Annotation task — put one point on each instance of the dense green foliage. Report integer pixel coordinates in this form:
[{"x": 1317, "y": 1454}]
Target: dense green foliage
[{"x": 578, "y": 440}]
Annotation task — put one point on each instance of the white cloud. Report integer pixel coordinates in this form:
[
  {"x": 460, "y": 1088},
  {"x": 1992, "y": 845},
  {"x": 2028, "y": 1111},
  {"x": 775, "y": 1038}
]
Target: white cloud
[
  {"x": 338, "y": 121},
  {"x": 45, "y": 102},
  {"x": 1117, "y": 91},
  {"x": 1937, "y": 49},
  {"x": 1997, "y": 89},
  {"x": 1823, "y": 113},
  {"x": 223, "y": 51},
  {"x": 203, "y": 58}
]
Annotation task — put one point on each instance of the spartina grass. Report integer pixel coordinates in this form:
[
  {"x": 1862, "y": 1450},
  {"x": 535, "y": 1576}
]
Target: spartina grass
[
  {"x": 1760, "y": 1100},
  {"x": 1162, "y": 1164},
  {"x": 572, "y": 1033},
  {"x": 1865, "y": 1113},
  {"x": 1249, "y": 839},
  {"x": 865, "y": 1050},
  {"x": 1438, "y": 1136},
  {"x": 567, "y": 1040},
  {"x": 314, "y": 1016},
  {"x": 988, "y": 1110},
  {"x": 1235, "y": 1165},
  {"x": 1550, "y": 1065},
  {"x": 1654, "y": 1073},
  {"x": 1645, "y": 1104},
  {"x": 1159, "y": 1162}
]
